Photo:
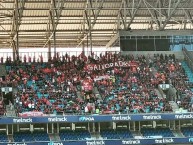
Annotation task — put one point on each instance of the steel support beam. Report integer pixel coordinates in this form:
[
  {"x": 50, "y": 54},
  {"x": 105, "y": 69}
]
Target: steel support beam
[
  {"x": 90, "y": 32},
  {"x": 134, "y": 11},
  {"x": 16, "y": 22},
  {"x": 54, "y": 15},
  {"x": 105, "y": 8},
  {"x": 14, "y": 32},
  {"x": 153, "y": 13},
  {"x": 87, "y": 18},
  {"x": 132, "y": 14},
  {"x": 170, "y": 15},
  {"x": 123, "y": 14},
  {"x": 189, "y": 17},
  {"x": 93, "y": 22},
  {"x": 112, "y": 41}
]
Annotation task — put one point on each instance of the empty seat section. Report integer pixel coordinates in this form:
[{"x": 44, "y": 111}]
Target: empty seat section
[
  {"x": 115, "y": 134},
  {"x": 3, "y": 137},
  {"x": 187, "y": 131},
  {"x": 41, "y": 136},
  {"x": 164, "y": 132},
  {"x": 23, "y": 136},
  {"x": 74, "y": 135}
]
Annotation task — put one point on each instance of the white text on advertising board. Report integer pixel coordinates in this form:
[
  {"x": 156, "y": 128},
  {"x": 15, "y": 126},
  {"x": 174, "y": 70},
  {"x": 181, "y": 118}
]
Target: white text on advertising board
[
  {"x": 22, "y": 120},
  {"x": 83, "y": 118},
  {"x": 97, "y": 142},
  {"x": 183, "y": 116},
  {"x": 55, "y": 143},
  {"x": 164, "y": 140},
  {"x": 57, "y": 119},
  {"x": 152, "y": 117},
  {"x": 121, "y": 118},
  {"x": 133, "y": 141}
]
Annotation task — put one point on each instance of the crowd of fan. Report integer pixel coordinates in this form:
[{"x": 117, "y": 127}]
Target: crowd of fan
[
  {"x": 172, "y": 72},
  {"x": 57, "y": 86}
]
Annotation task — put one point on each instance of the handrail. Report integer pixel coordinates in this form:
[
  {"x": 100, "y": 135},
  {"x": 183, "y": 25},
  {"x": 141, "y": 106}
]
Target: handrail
[
  {"x": 66, "y": 115},
  {"x": 90, "y": 139},
  {"x": 188, "y": 58}
]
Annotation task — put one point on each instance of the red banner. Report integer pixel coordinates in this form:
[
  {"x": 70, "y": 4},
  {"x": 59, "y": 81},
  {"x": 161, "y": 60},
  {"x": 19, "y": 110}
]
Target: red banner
[
  {"x": 110, "y": 65},
  {"x": 31, "y": 114}
]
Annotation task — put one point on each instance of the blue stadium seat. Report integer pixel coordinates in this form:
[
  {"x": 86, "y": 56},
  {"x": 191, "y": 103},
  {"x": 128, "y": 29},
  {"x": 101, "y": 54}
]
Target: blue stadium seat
[
  {"x": 41, "y": 136},
  {"x": 187, "y": 131},
  {"x": 23, "y": 136},
  {"x": 164, "y": 132},
  {"x": 116, "y": 134},
  {"x": 3, "y": 137},
  {"x": 74, "y": 135}
]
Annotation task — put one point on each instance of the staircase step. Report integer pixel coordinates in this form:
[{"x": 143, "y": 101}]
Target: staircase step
[
  {"x": 188, "y": 72},
  {"x": 158, "y": 93},
  {"x": 79, "y": 94},
  {"x": 174, "y": 106},
  {"x": 10, "y": 138},
  {"x": 178, "y": 133}
]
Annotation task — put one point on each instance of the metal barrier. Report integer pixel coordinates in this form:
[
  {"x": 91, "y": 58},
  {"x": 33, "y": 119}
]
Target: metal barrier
[
  {"x": 188, "y": 58},
  {"x": 45, "y": 55}
]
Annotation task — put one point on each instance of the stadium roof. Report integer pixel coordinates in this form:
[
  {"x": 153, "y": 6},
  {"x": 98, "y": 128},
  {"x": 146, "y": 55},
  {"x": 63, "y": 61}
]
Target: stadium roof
[{"x": 71, "y": 23}]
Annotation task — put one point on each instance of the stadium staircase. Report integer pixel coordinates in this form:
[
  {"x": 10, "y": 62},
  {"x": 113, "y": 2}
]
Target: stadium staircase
[
  {"x": 172, "y": 103},
  {"x": 174, "y": 106},
  {"x": 10, "y": 138},
  {"x": 188, "y": 73},
  {"x": 154, "y": 71},
  {"x": 136, "y": 134},
  {"x": 96, "y": 92},
  {"x": 78, "y": 93},
  {"x": 54, "y": 137},
  {"x": 10, "y": 111},
  {"x": 158, "y": 93},
  {"x": 178, "y": 133}
]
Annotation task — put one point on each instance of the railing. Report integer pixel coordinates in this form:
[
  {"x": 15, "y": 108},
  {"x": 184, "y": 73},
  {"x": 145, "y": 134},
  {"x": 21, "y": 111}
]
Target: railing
[
  {"x": 188, "y": 58},
  {"x": 161, "y": 92},
  {"x": 45, "y": 55},
  {"x": 127, "y": 141}
]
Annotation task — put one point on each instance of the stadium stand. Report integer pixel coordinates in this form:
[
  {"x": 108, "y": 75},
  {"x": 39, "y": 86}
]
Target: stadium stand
[
  {"x": 52, "y": 88},
  {"x": 74, "y": 135},
  {"x": 40, "y": 136},
  {"x": 40, "y": 87},
  {"x": 3, "y": 137},
  {"x": 150, "y": 132},
  {"x": 187, "y": 131},
  {"x": 67, "y": 88},
  {"x": 96, "y": 72},
  {"x": 116, "y": 134},
  {"x": 27, "y": 136},
  {"x": 23, "y": 136}
]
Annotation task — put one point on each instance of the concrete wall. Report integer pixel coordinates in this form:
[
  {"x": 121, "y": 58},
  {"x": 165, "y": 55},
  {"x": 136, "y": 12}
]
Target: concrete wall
[{"x": 179, "y": 54}]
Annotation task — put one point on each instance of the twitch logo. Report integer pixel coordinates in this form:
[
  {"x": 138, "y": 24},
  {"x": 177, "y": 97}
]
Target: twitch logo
[{"x": 83, "y": 118}]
